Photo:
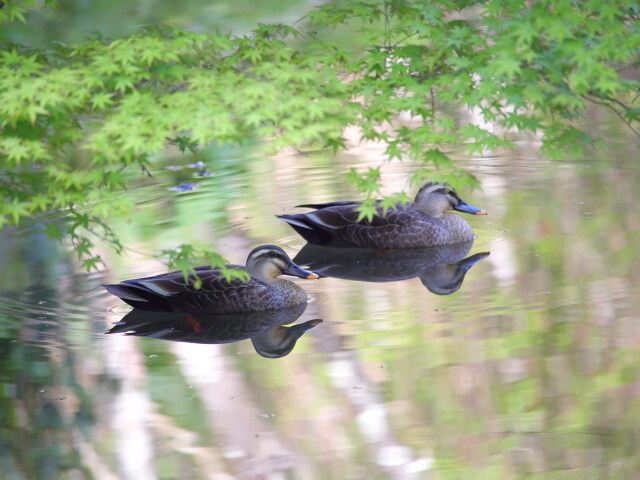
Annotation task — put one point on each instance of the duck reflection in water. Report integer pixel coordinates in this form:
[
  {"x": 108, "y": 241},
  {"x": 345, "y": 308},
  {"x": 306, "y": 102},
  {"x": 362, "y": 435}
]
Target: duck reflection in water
[
  {"x": 267, "y": 332},
  {"x": 441, "y": 269}
]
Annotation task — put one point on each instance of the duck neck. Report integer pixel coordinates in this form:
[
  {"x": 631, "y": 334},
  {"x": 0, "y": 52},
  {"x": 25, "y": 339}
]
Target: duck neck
[{"x": 265, "y": 273}]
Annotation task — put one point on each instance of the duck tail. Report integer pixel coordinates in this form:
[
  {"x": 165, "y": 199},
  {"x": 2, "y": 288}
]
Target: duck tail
[
  {"x": 307, "y": 230},
  {"x": 138, "y": 297}
]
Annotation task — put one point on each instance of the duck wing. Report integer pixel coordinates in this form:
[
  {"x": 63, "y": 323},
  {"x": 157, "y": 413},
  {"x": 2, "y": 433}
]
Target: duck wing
[
  {"x": 341, "y": 203},
  {"x": 169, "y": 292},
  {"x": 337, "y": 223}
]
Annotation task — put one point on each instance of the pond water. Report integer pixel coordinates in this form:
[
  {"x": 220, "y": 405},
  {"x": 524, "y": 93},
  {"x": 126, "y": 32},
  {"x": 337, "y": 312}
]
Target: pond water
[{"x": 524, "y": 365}]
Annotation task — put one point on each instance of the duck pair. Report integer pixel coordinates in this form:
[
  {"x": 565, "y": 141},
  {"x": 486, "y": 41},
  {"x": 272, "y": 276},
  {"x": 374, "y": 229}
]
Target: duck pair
[{"x": 426, "y": 222}]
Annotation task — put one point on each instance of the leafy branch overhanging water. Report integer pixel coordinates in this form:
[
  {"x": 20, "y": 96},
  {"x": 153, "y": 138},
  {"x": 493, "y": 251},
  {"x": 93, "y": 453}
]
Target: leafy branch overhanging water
[{"x": 80, "y": 123}]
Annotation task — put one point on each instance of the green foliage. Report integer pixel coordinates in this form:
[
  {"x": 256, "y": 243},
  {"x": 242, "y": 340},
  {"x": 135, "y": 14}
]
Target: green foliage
[
  {"x": 368, "y": 183},
  {"x": 182, "y": 259},
  {"x": 79, "y": 123},
  {"x": 529, "y": 67},
  {"x": 109, "y": 106},
  {"x": 12, "y": 10}
]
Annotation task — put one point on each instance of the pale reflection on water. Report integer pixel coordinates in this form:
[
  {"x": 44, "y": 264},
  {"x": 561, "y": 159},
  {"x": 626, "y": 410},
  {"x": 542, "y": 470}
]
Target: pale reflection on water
[{"x": 528, "y": 369}]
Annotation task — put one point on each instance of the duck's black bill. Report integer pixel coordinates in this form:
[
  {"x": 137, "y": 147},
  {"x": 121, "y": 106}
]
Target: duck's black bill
[
  {"x": 295, "y": 271},
  {"x": 466, "y": 208}
]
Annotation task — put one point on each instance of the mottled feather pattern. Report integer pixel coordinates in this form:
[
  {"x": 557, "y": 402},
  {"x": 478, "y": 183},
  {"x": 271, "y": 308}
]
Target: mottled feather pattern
[
  {"x": 403, "y": 227},
  {"x": 171, "y": 293},
  {"x": 426, "y": 222}
]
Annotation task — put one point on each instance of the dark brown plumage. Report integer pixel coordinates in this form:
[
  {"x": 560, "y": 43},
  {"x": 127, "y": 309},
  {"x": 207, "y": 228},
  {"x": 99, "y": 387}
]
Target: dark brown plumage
[
  {"x": 264, "y": 291},
  {"x": 424, "y": 223}
]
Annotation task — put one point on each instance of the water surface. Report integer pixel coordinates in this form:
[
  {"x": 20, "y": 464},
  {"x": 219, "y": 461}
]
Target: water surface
[{"x": 529, "y": 369}]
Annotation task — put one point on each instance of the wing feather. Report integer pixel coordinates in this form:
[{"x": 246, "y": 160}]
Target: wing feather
[{"x": 170, "y": 292}]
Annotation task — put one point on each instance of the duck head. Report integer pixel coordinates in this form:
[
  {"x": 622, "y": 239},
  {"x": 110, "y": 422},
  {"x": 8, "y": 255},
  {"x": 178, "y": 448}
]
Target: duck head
[
  {"x": 267, "y": 262},
  {"x": 435, "y": 199}
]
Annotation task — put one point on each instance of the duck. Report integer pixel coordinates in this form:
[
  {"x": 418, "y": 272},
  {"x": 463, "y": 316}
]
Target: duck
[
  {"x": 169, "y": 292},
  {"x": 426, "y": 222}
]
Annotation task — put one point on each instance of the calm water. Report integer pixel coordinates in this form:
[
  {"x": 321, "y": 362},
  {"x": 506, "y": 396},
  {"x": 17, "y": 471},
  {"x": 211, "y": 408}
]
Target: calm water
[{"x": 527, "y": 369}]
